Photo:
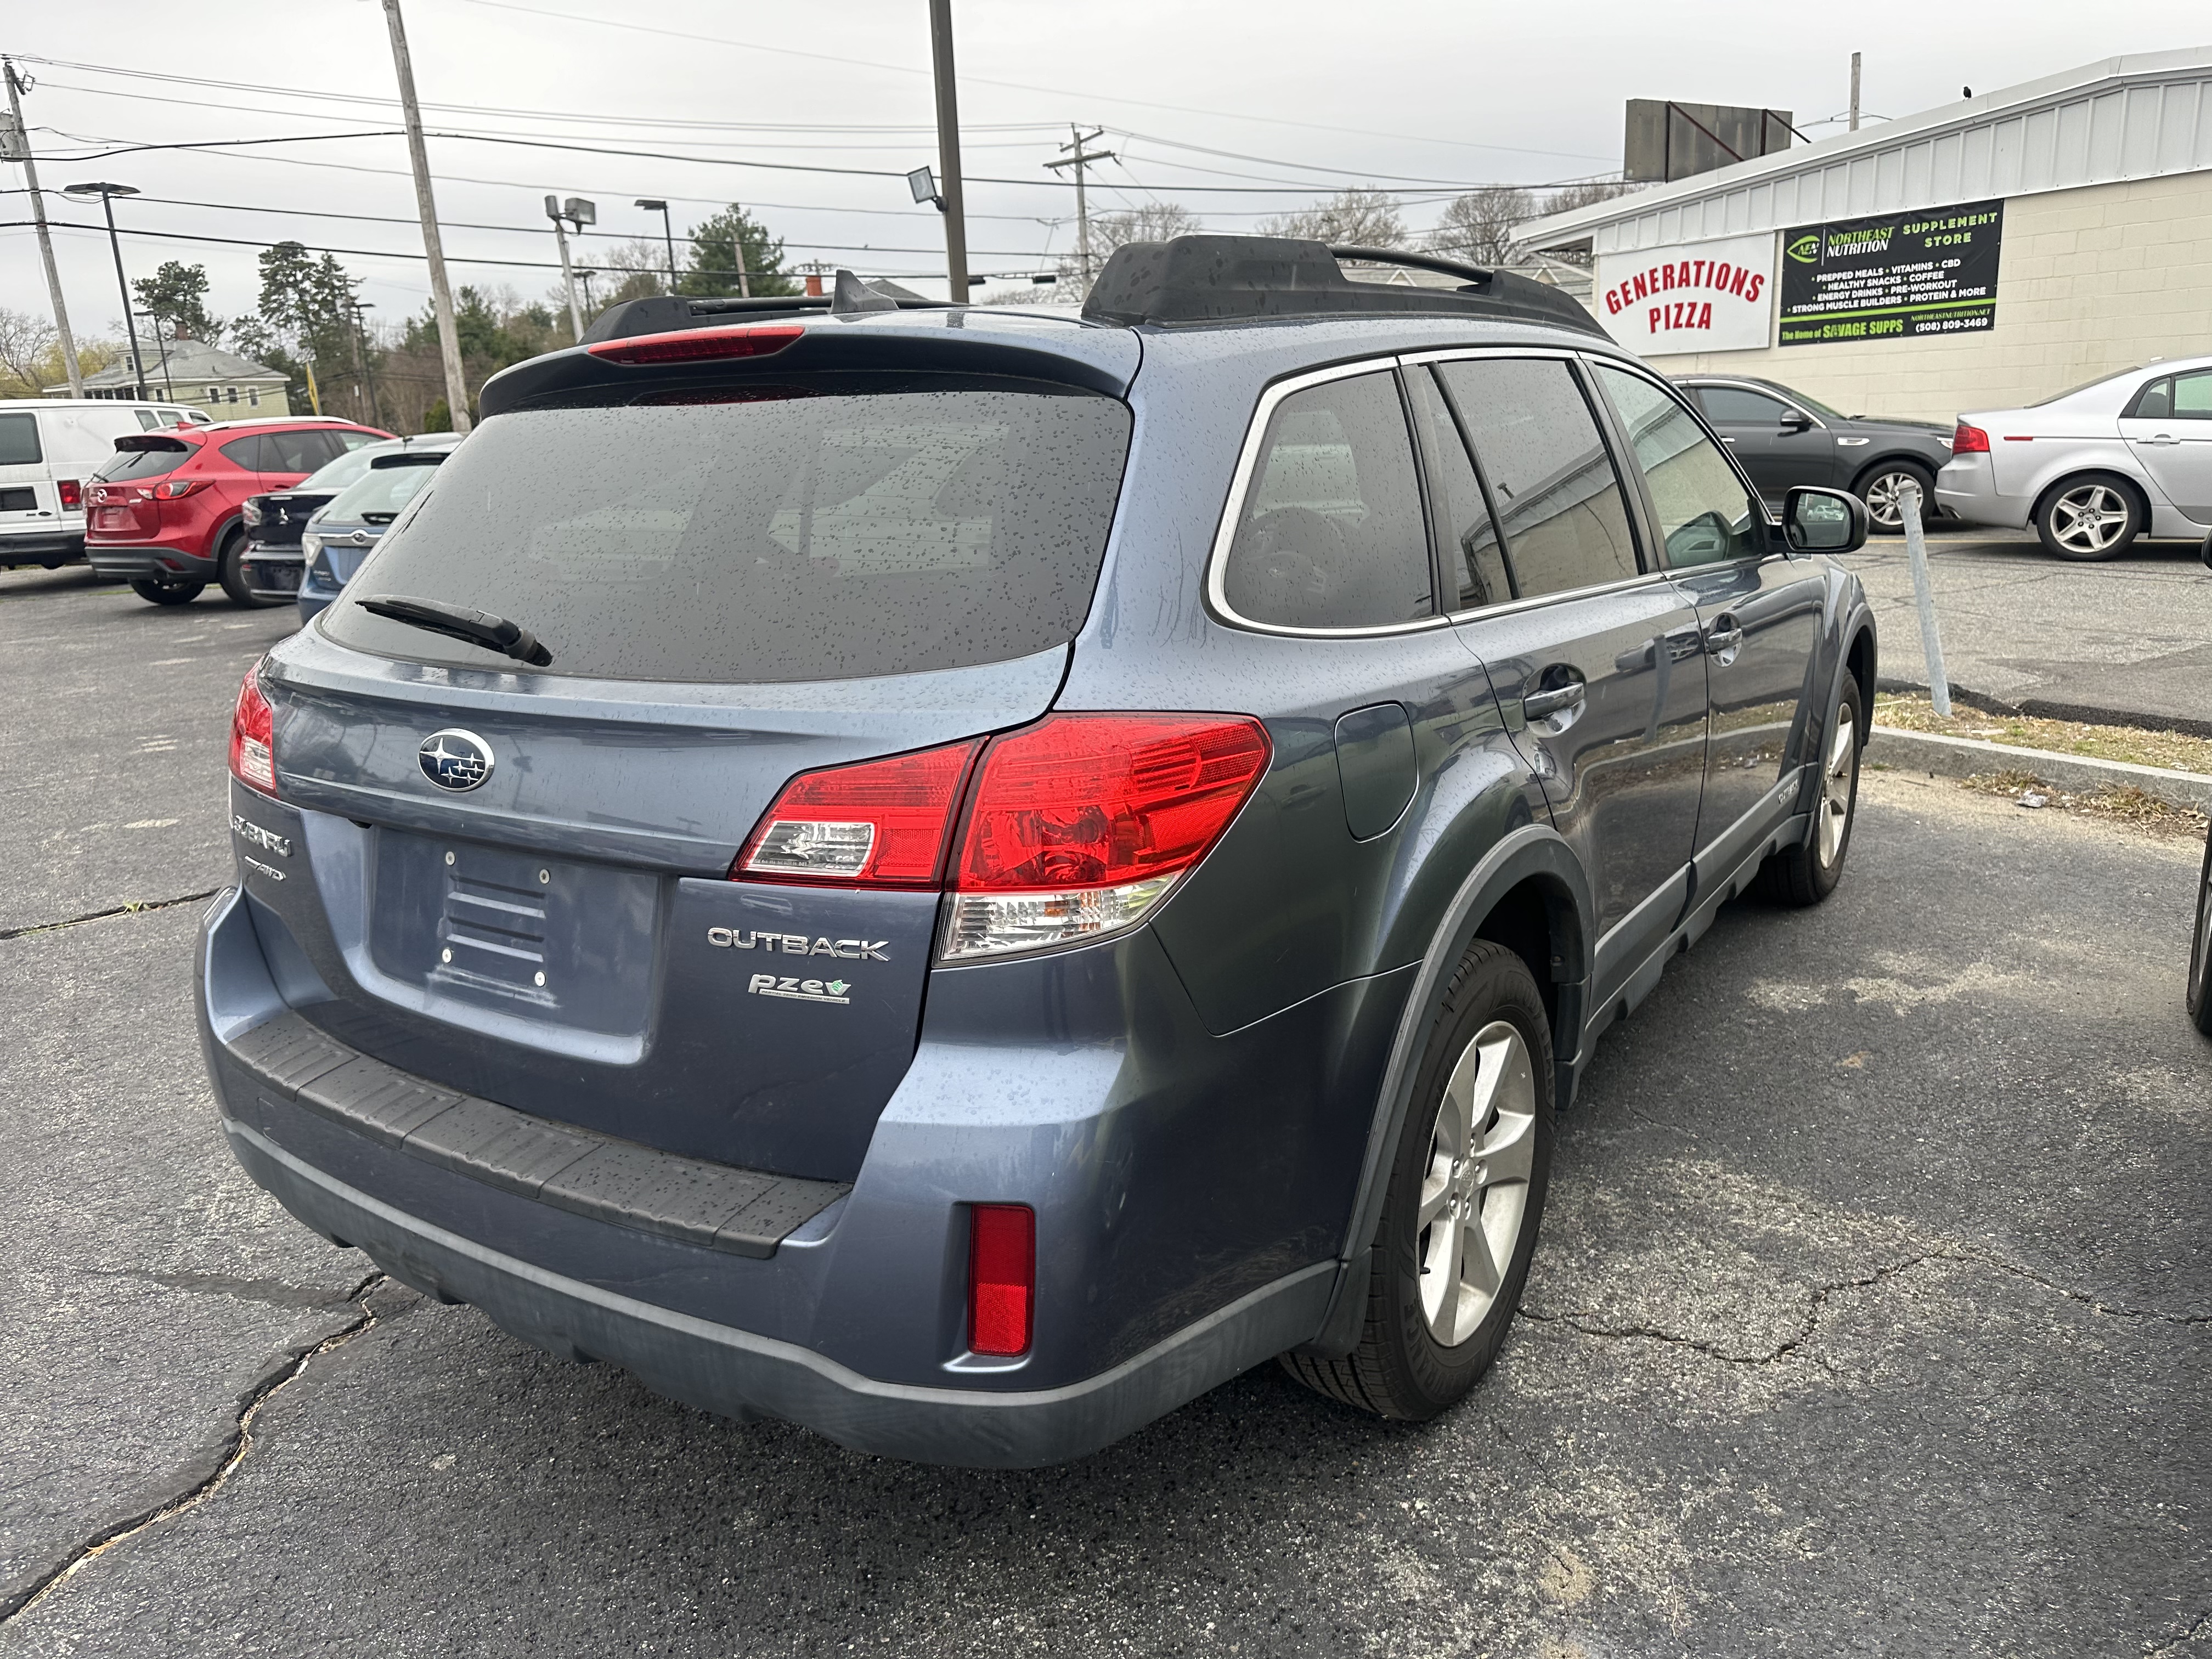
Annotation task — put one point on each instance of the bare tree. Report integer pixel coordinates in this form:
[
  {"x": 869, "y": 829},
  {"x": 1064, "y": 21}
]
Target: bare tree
[
  {"x": 25, "y": 341},
  {"x": 1155, "y": 221},
  {"x": 1478, "y": 226},
  {"x": 1355, "y": 218},
  {"x": 1568, "y": 197}
]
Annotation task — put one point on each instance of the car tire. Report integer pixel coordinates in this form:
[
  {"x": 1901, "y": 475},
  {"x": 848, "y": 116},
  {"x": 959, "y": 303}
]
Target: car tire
[
  {"x": 1879, "y": 490},
  {"x": 155, "y": 592},
  {"x": 2094, "y": 517},
  {"x": 1808, "y": 872},
  {"x": 2200, "y": 951},
  {"x": 230, "y": 571},
  {"x": 1476, "y": 1145}
]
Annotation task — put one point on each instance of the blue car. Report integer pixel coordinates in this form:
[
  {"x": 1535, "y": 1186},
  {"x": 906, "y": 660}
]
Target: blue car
[
  {"x": 338, "y": 534},
  {"x": 961, "y": 878}
]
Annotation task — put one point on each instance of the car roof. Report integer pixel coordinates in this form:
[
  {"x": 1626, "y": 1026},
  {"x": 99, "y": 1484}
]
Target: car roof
[{"x": 287, "y": 423}]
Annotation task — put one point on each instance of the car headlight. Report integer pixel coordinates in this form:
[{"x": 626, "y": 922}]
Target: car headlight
[
  {"x": 251, "y": 512},
  {"x": 310, "y": 543}
]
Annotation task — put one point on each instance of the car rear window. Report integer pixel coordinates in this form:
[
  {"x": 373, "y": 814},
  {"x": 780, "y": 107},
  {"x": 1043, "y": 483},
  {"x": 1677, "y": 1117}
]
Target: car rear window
[
  {"x": 375, "y": 498},
  {"x": 19, "y": 440},
  {"x": 796, "y": 533},
  {"x": 146, "y": 457}
]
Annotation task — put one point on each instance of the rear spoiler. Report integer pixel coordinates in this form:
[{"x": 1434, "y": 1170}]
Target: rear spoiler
[
  {"x": 151, "y": 440},
  {"x": 408, "y": 457}
]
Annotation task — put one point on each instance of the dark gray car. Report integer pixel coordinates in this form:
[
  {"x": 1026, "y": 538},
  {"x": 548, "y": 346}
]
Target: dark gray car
[
  {"x": 1783, "y": 439},
  {"x": 961, "y": 878}
]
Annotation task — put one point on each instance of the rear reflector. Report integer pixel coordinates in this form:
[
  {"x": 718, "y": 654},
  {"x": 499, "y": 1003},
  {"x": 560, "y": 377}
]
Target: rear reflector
[
  {"x": 691, "y": 345},
  {"x": 1970, "y": 441},
  {"x": 1001, "y": 1278},
  {"x": 880, "y": 824},
  {"x": 252, "y": 738}
]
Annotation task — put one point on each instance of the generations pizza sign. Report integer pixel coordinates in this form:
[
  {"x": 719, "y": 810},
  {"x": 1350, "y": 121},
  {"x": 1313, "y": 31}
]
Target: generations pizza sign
[
  {"x": 1700, "y": 296},
  {"x": 1893, "y": 277}
]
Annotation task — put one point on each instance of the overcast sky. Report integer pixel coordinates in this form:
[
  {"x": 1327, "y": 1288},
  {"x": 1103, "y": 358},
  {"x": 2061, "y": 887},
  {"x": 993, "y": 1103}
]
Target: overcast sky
[{"x": 1422, "y": 96}]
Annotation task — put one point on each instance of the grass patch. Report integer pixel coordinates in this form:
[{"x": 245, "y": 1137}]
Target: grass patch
[
  {"x": 2120, "y": 803},
  {"x": 2175, "y": 749}
]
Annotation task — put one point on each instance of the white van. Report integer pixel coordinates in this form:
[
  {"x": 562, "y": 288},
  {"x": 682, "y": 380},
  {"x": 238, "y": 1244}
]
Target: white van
[{"x": 47, "y": 447}]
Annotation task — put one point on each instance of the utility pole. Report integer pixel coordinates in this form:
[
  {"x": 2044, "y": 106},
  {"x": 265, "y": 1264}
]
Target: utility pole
[
  {"x": 1082, "y": 209},
  {"x": 418, "y": 157},
  {"x": 361, "y": 358},
  {"x": 1855, "y": 92},
  {"x": 560, "y": 213},
  {"x": 107, "y": 192},
  {"x": 948, "y": 151},
  {"x": 737, "y": 242},
  {"x": 17, "y": 146}
]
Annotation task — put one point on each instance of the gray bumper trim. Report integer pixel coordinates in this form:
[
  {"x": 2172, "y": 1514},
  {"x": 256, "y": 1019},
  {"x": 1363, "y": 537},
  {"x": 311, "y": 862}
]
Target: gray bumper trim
[{"x": 737, "y": 1374}]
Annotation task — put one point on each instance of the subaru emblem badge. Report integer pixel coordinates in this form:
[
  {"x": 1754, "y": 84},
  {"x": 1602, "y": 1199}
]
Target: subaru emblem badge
[{"x": 455, "y": 759}]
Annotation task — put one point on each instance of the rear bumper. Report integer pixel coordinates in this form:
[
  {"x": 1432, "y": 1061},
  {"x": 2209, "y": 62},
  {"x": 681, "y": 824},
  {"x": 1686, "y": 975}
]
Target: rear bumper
[
  {"x": 40, "y": 545},
  {"x": 273, "y": 573},
  {"x": 1967, "y": 488},
  {"x": 161, "y": 564}
]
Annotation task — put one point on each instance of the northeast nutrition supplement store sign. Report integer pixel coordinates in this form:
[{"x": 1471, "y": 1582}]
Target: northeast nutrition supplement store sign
[{"x": 1907, "y": 274}]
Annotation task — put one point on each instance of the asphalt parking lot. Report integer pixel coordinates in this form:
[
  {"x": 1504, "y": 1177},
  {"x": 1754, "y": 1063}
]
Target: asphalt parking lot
[{"x": 1874, "y": 1313}]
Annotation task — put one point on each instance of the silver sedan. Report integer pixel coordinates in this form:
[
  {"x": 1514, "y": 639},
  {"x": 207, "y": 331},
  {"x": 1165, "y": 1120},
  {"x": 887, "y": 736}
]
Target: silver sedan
[{"x": 2094, "y": 468}]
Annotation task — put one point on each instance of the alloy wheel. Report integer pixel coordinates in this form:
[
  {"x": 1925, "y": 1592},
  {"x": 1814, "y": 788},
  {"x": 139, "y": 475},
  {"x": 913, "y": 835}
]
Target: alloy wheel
[
  {"x": 1474, "y": 1193},
  {"x": 1836, "y": 786},
  {"x": 2090, "y": 518},
  {"x": 1884, "y": 500}
]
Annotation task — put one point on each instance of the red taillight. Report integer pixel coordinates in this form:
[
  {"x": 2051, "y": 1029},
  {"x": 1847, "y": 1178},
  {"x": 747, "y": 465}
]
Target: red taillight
[
  {"x": 1970, "y": 441},
  {"x": 72, "y": 492},
  {"x": 1095, "y": 801},
  {"x": 1001, "y": 1278},
  {"x": 253, "y": 738},
  {"x": 880, "y": 824},
  {"x": 689, "y": 345},
  {"x": 176, "y": 486}
]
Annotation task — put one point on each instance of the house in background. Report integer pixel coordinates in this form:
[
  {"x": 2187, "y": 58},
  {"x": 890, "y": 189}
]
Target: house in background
[{"x": 229, "y": 386}]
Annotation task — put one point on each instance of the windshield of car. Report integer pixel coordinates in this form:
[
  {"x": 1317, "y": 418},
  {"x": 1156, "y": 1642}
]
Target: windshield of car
[
  {"x": 791, "y": 533},
  {"x": 335, "y": 476},
  {"x": 161, "y": 457},
  {"x": 373, "y": 499}
]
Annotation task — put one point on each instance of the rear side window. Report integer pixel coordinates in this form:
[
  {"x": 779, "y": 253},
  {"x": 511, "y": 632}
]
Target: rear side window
[
  {"x": 1565, "y": 519},
  {"x": 2192, "y": 396},
  {"x": 165, "y": 458},
  {"x": 795, "y": 535},
  {"x": 1728, "y": 405},
  {"x": 1332, "y": 533},
  {"x": 19, "y": 440},
  {"x": 298, "y": 450},
  {"x": 1705, "y": 515},
  {"x": 248, "y": 453},
  {"x": 1475, "y": 562}
]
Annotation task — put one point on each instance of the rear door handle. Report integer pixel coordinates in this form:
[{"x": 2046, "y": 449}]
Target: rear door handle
[
  {"x": 1537, "y": 704},
  {"x": 1723, "y": 638}
]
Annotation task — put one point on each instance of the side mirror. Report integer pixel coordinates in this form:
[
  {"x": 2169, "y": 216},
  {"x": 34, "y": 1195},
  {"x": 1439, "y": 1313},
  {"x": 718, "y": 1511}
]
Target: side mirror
[
  {"x": 1816, "y": 520},
  {"x": 1796, "y": 420}
]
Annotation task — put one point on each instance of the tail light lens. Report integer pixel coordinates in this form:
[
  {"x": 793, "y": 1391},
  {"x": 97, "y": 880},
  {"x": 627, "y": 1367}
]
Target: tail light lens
[
  {"x": 1970, "y": 441},
  {"x": 72, "y": 492},
  {"x": 176, "y": 486},
  {"x": 253, "y": 738},
  {"x": 691, "y": 345},
  {"x": 1075, "y": 828},
  {"x": 1001, "y": 1278}
]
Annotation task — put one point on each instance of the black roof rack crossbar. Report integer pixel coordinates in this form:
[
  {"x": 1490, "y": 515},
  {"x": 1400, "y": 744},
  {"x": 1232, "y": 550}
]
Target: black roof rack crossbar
[{"x": 1212, "y": 279}]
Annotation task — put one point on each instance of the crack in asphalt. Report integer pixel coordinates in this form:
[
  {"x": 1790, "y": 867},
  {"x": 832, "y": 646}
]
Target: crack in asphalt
[
  {"x": 1820, "y": 1299},
  {"x": 241, "y": 1442},
  {"x": 132, "y": 907},
  {"x": 2201, "y": 1627},
  {"x": 269, "y": 1292}
]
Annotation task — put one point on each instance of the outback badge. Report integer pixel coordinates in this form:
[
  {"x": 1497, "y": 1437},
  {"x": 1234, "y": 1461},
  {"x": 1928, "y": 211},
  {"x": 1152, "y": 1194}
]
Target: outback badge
[{"x": 455, "y": 759}]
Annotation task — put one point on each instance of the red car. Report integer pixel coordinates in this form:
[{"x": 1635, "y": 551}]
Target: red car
[{"x": 164, "y": 514}]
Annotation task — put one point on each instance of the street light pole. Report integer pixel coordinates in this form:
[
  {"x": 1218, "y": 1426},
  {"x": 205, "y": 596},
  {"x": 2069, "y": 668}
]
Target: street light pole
[
  {"x": 418, "y": 158},
  {"x": 948, "y": 151},
  {"x": 20, "y": 136},
  {"x": 107, "y": 193},
  {"x": 667, "y": 231},
  {"x": 567, "y": 271}
]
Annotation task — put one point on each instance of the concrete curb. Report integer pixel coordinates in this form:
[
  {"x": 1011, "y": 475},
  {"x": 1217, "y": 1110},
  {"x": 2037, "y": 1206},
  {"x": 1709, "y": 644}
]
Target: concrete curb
[
  {"x": 1964, "y": 757},
  {"x": 2043, "y": 708}
]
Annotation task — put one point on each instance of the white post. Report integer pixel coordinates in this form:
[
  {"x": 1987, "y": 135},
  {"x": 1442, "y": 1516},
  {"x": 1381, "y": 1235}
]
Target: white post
[{"x": 1916, "y": 552}]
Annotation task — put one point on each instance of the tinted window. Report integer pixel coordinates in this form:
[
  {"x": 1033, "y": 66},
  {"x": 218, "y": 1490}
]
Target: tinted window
[
  {"x": 1332, "y": 533},
  {"x": 2192, "y": 396},
  {"x": 1474, "y": 564},
  {"x": 297, "y": 450},
  {"x": 1728, "y": 405},
  {"x": 148, "y": 420},
  {"x": 1565, "y": 521},
  {"x": 247, "y": 454},
  {"x": 1705, "y": 515},
  {"x": 127, "y": 464},
  {"x": 787, "y": 536},
  {"x": 2154, "y": 403},
  {"x": 19, "y": 440}
]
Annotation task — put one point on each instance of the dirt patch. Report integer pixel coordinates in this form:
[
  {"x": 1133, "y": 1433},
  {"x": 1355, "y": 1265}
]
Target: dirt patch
[
  {"x": 2121, "y": 804},
  {"x": 2176, "y": 750}
]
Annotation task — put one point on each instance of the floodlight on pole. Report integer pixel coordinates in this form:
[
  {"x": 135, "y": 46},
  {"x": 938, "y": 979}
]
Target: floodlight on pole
[
  {"x": 923, "y": 183},
  {"x": 107, "y": 192},
  {"x": 654, "y": 204},
  {"x": 578, "y": 212}
]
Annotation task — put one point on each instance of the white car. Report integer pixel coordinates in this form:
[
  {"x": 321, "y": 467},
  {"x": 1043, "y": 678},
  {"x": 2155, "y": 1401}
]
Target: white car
[
  {"x": 2092, "y": 469},
  {"x": 48, "y": 446}
]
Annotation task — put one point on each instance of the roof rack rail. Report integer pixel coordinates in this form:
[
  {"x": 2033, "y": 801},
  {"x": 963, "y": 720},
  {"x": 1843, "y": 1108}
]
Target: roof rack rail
[
  {"x": 663, "y": 313},
  {"x": 1203, "y": 279}
]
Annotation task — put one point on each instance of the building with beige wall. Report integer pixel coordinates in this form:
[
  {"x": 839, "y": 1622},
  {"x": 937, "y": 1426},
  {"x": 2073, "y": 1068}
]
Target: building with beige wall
[
  {"x": 229, "y": 386},
  {"x": 2101, "y": 180}
]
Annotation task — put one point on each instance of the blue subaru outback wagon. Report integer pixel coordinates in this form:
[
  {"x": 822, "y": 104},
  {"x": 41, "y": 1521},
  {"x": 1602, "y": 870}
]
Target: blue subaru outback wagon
[{"x": 960, "y": 878}]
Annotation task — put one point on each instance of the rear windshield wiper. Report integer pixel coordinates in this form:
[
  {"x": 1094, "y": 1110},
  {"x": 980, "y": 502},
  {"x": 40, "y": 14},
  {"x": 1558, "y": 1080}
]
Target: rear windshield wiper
[{"x": 458, "y": 622}]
